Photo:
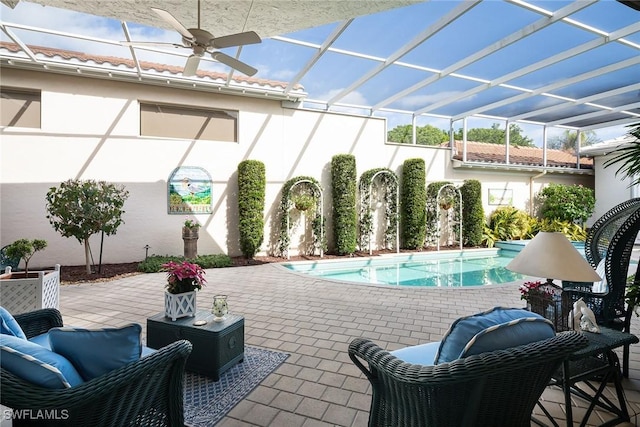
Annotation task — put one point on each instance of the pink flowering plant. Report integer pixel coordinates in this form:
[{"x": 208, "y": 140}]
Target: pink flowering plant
[
  {"x": 183, "y": 277},
  {"x": 530, "y": 290}
]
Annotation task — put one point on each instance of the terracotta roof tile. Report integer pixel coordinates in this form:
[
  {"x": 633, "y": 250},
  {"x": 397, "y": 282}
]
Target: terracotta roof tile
[
  {"x": 530, "y": 156},
  {"x": 115, "y": 61}
]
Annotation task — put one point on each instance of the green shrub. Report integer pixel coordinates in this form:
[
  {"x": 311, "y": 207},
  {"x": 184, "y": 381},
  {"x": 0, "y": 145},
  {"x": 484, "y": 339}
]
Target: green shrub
[
  {"x": 153, "y": 263},
  {"x": 573, "y": 203},
  {"x": 251, "y": 192},
  {"x": 343, "y": 181},
  {"x": 413, "y": 205},
  {"x": 572, "y": 230},
  {"x": 472, "y": 212},
  {"x": 509, "y": 223}
]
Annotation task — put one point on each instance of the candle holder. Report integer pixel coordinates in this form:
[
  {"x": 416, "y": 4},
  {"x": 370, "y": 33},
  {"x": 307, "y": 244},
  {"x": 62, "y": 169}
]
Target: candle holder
[{"x": 220, "y": 308}]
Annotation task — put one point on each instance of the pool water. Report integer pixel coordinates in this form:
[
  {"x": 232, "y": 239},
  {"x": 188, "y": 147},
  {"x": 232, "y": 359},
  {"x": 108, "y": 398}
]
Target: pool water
[{"x": 438, "y": 269}]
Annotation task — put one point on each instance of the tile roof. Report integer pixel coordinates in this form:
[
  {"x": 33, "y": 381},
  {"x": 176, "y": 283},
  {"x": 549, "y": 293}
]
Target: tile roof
[
  {"x": 529, "y": 156},
  {"x": 69, "y": 55}
]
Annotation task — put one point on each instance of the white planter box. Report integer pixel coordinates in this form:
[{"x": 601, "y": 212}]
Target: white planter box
[
  {"x": 179, "y": 305},
  {"x": 19, "y": 294}
]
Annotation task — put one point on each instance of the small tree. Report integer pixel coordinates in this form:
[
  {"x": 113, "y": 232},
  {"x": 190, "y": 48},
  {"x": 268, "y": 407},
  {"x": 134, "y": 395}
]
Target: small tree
[
  {"x": 572, "y": 203},
  {"x": 24, "y": 249},
  {"x": 81, "y": 209}
]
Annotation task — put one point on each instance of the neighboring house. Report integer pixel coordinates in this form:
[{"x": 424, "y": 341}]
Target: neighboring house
[
  {"x": 609, "y": 188},
  {"x": 74, "y": 115}
]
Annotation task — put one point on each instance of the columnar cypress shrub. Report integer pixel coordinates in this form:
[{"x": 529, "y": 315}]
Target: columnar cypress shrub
[
  {"x": 413, "y": 205},
  {"x": 251, "y": 191},
  {"x": 472, "y": 212},
  {"x": 345, "y": 222}
]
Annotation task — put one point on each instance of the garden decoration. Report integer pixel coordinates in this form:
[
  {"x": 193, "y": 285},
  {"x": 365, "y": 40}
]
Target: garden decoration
[
  {"x": 312, "y": 187},
  {"x": 220, "y": 308},
  {"x": 387, "y": 183},
  {"x": 190, "y": 235},
  {"x": 183, "y": 280}
]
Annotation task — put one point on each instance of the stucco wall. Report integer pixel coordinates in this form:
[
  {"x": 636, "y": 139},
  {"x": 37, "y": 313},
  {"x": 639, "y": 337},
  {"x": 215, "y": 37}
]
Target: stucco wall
[
  {"x": 90, "y": 130},
  {"x": 610, "y": 189}
]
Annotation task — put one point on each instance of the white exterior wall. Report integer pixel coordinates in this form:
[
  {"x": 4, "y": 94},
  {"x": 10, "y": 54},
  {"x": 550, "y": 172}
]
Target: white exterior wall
[
  {"x": 610, "y": 189},
  {"x": 90, "y": 130}
]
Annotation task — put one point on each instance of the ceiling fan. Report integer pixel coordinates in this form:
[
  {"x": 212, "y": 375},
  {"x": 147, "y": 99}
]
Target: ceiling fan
[{"x": 201, "y": 42}]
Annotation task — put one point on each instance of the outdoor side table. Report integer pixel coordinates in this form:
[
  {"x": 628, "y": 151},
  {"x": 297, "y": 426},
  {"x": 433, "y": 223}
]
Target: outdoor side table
[
  {"x": 217, "y": 346},
  {"x": 595, "y": 366}
]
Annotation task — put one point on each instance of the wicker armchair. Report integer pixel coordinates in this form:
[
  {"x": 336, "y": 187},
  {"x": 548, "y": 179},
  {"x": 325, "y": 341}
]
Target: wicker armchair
[
  {"x": 611, "y": 238},
  {"x": 147, "y": 392},
  {"x": 498, "y": 388}
]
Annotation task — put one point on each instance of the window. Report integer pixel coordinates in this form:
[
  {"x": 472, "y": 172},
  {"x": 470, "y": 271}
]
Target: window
[
  {"x": 19, "y": 108},
  {"x": 173, "y": 121}
]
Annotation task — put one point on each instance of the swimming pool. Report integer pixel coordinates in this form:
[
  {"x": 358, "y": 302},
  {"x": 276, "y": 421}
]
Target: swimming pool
[{"x": 475, "y": 267}]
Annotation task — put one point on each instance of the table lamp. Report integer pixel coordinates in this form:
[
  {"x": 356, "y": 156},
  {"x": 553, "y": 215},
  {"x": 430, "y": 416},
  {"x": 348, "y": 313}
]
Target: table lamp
[{"x": 551, "y": 255}]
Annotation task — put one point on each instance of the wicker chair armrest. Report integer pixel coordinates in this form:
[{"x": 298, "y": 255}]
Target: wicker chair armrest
[
  {"x": 476, "y": 366},
  {"x": 577, "y": 286},
  {"x": 149, "y": 391},
  {"x": 39, "y": 321}
]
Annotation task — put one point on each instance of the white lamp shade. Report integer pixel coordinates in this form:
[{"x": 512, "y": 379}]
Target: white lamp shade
[{"x": 552, "y": 256}]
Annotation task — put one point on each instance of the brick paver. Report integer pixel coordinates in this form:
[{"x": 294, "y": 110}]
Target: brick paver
[{"x": 313, "y": 320}]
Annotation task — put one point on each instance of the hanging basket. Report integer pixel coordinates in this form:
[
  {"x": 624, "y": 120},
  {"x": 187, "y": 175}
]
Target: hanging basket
[
  {"x": 303, "y": 202},
  {"x": 179, "y": 305}
]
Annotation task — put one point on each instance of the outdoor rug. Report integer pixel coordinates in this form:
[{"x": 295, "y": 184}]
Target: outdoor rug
[{"x": 207, "y": 401}]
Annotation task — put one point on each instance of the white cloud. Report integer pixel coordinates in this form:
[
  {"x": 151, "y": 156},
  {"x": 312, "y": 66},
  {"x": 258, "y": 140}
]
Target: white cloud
[
  {"x": 354, "y": 97},
  {"x": 417, "y": 101}
]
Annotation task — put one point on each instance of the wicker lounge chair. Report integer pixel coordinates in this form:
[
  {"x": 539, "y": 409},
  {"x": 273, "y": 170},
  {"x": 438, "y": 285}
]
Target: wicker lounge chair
[
  {"x": 148, "y": 392},
  {"x": 498, "y": 388},
  {"x": 611, "y": 239}
]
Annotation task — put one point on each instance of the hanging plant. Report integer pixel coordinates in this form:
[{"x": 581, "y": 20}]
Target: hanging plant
[
  {"x": 388, "y": 185},
  {"x": 303, "y": 202},
  {"x": 312, "y": 189}
]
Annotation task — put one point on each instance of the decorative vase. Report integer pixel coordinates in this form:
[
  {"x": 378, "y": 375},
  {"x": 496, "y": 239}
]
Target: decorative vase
[
  {"x": 220, "y": 307},
  {"x": 179, "y": 305},
  {"x": 190, "y": 237}
]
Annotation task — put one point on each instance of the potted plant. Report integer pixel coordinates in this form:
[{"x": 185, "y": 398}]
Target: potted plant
[
  {"x": 183, "y": 280},
  {"x": 21, "y": 292},
  {"x": 190, "y": 235},
  {"x": 303, "y": 202},
  {"x": 446, "y": 202}
]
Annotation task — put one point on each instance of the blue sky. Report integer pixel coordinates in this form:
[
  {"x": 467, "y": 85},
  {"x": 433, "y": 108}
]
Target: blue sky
[{"x": 380, "y": 35}]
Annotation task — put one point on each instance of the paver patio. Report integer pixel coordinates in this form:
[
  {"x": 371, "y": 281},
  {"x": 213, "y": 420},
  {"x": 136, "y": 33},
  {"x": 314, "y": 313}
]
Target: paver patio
[{"x": 313, "y": 320}]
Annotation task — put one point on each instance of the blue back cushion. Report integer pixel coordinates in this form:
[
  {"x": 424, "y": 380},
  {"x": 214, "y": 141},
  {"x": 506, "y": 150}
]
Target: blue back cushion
[
  {"x": 97, "y": 351},
  {"x": 36, "y": 364},
  {"x": 9, "y": 326},
  {"x": 496, "y": 329}
]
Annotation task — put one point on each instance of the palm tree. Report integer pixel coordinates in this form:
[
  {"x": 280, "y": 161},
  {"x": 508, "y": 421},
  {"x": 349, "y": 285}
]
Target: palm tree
[{"x": 629, "y": 157}]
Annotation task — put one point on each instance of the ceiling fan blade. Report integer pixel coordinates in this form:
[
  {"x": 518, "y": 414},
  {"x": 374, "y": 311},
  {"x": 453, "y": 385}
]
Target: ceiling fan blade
[
  {"x": 150, "y": 44},
  {"x": 234, "y": 63},
  {"x": 171, "y": 20},
  {"x": 191, "y": 66},
  {"x": 240, "y": 39}
]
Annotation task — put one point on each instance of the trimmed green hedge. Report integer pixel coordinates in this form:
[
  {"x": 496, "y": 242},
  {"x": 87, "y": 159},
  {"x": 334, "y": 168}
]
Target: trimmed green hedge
[
  {"x": 472, "y": 212},
  {"x": 252, "y": 183},
  {"x": 153, "y": 264},
  {"x": 413, "y": 205},
  {"x": 343, "y": 181}
]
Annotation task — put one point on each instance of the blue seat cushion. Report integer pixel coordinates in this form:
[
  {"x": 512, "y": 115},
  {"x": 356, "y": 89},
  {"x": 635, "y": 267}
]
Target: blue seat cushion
[
  {"x": 42, "y": 339},
  {"x": 423, "y": 354},
  {"x": 95, "y": 352},
  {"x": 496, "y": 329},
  {"x": 36, "y": 364},
  {"x": 9, "y": 325}
]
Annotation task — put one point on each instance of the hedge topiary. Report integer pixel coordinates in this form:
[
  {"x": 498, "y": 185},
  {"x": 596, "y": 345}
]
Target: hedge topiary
[
  {"x": 343, "y": 181},
  {"x": 413, "y": 205},
  {"x": 472, "y": 212},
  {"x": 251, "y": 193}
]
